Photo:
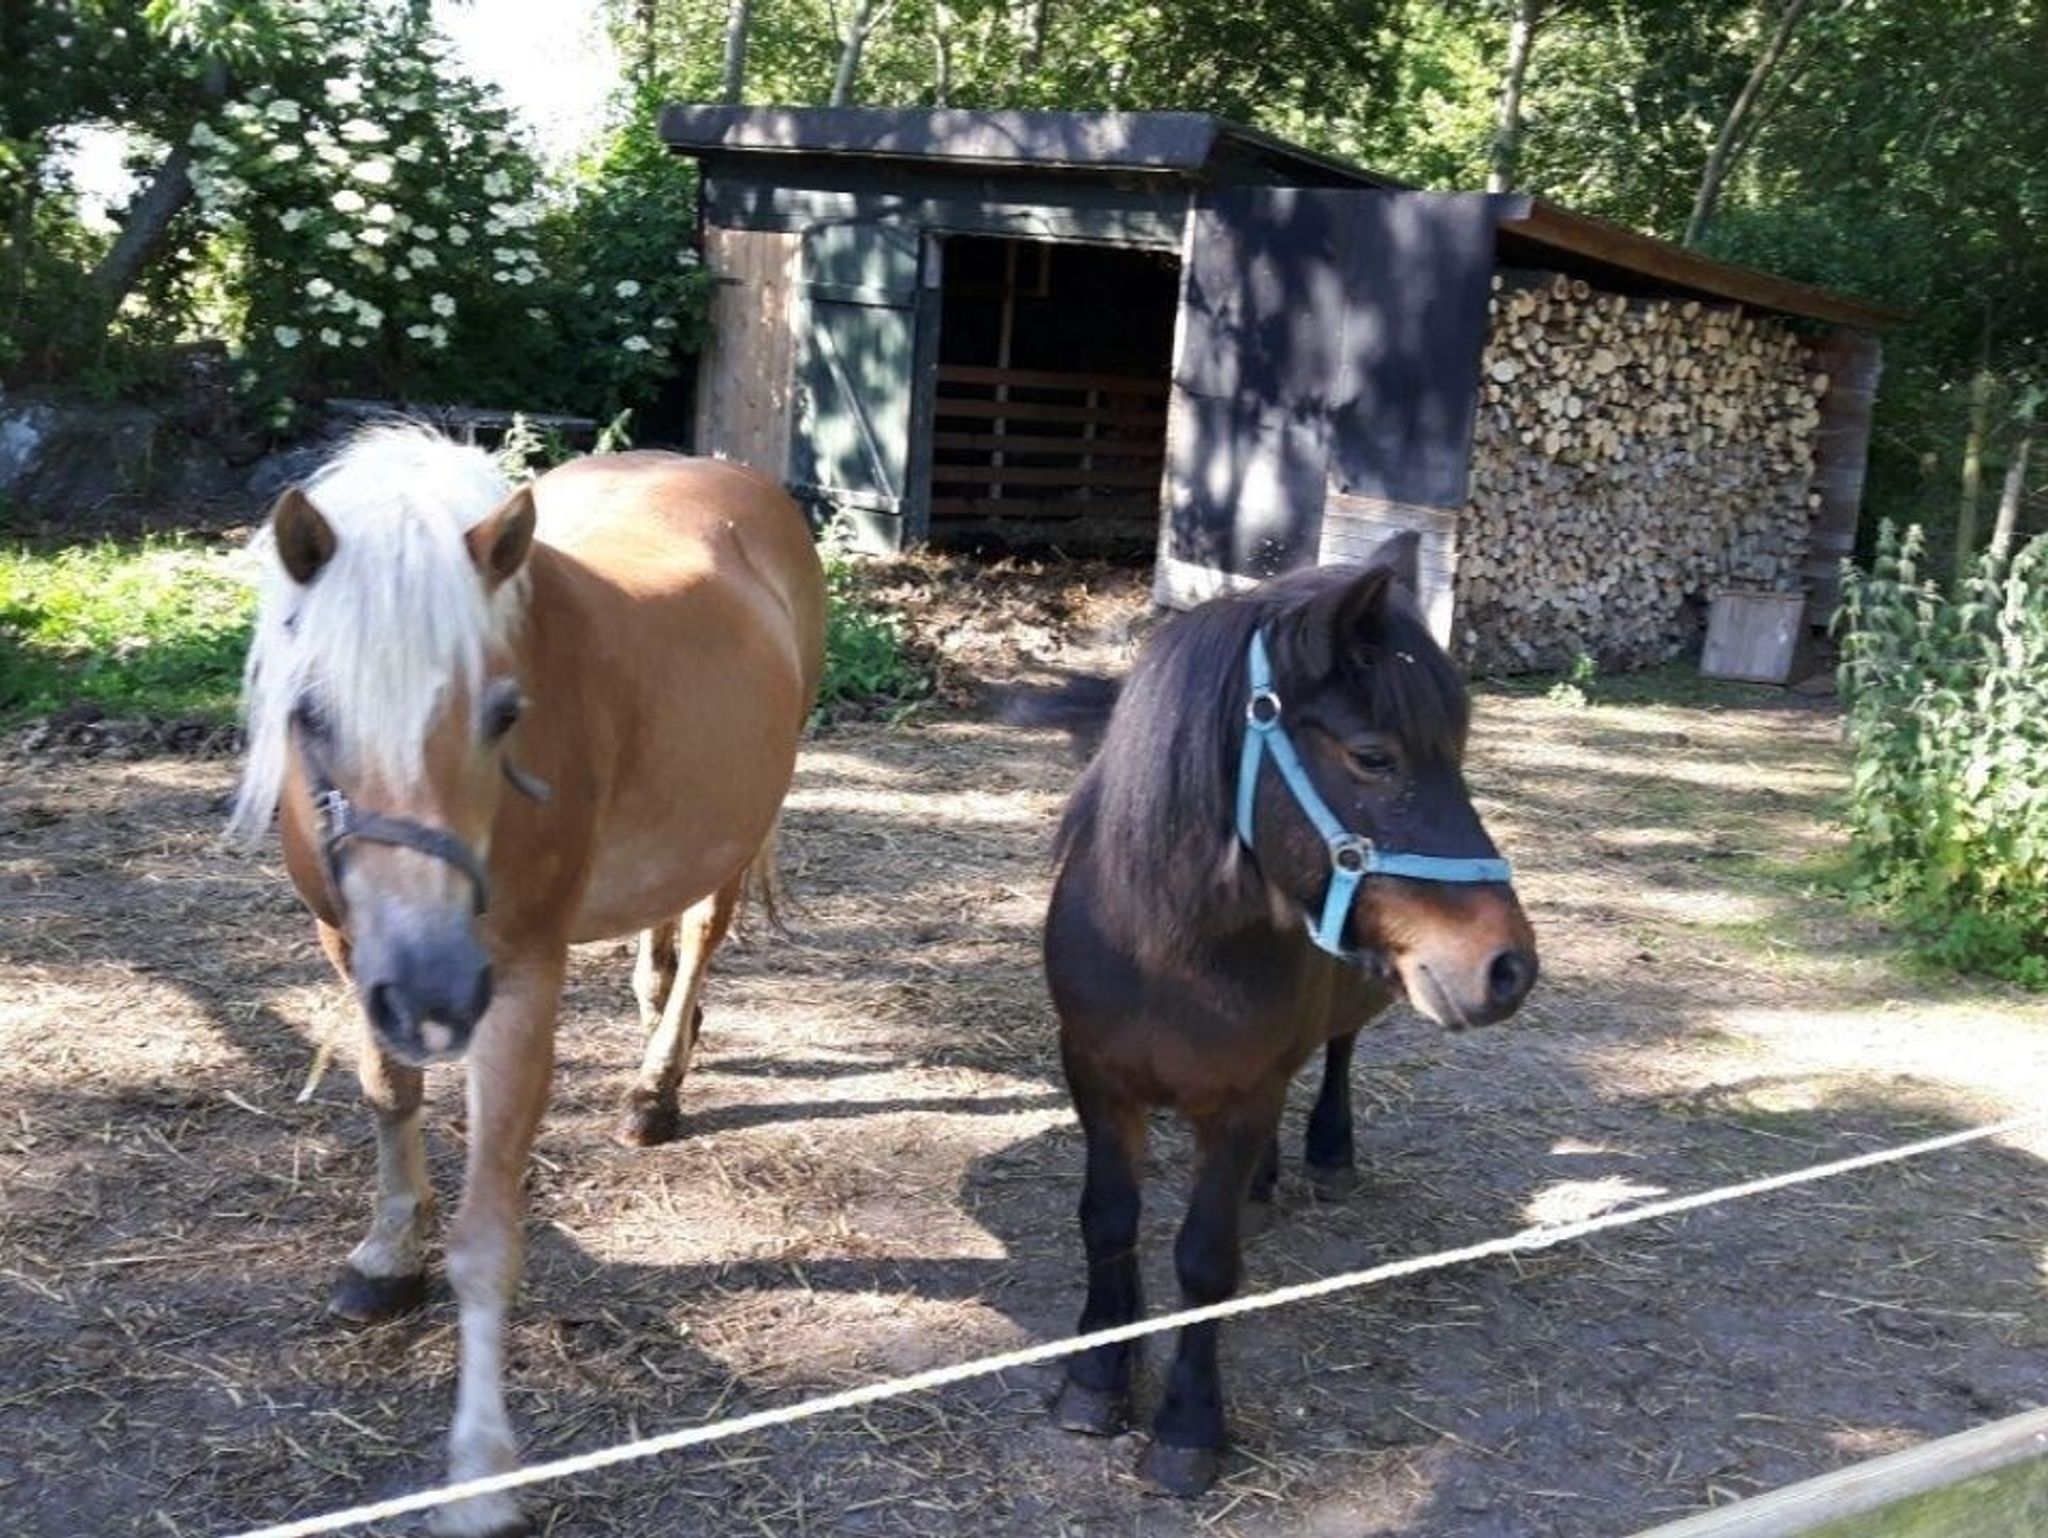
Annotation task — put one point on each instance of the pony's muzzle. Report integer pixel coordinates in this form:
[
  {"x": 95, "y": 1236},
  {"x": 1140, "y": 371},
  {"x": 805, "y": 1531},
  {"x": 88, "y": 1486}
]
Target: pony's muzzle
[{"x": 423, "y": 998}]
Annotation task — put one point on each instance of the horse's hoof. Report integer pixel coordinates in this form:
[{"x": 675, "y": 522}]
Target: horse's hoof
[
  {"x": 1332, "y": 1182},
  {"x": 648, "y": 1122},
  {"x": 485, "y": 1516},
  {"x": 1091, "y": 1411},
  {"x": 1183, "y": 1471},
  {"x": 362, "y": 1299}
]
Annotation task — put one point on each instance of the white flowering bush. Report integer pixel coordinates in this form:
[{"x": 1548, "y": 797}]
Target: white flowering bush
[{"x": 377, "y": 218}]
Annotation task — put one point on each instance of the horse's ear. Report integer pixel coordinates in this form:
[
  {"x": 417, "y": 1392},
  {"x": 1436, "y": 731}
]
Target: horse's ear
[
  {"x": 1342, "y": 618},
  {"x": 304, "y": 538},
  {"x": 1402, "y": 555},
  {"x": 499, "y": 544}
]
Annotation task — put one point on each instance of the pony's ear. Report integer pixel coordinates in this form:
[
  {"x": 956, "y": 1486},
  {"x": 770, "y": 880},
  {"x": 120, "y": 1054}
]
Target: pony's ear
[
  {"x": 304, "y": 538},
  {"x": 1343, "y": 618},
  {"x": 1402, "y": 555},
  {"x": 499, "y": 544}
]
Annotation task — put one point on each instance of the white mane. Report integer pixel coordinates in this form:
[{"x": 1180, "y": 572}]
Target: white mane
[{"x": 396, "y": 617}]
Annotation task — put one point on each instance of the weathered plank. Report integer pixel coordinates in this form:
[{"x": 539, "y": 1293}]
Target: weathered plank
[{"x": 745, "y": 384}]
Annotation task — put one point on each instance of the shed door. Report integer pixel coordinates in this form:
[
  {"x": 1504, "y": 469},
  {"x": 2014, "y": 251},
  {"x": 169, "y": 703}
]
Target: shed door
[
  {"x": 856, "y": 340},
  {"x": 1329, "y": 342},
  {"x": 1256, "y": 354}
]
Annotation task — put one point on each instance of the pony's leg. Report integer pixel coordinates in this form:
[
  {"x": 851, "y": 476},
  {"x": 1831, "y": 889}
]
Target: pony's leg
[
  {"x": 1258, "y": 1212},
  {"x": 1188, "y": 1433},
  {"x": 652, "y": 1114},
  {"x": 386, "y": 1274},
  {"x": 1096, "y": 1396},
  {"x": 511, "y": 1059},
  {"x": 1327, "y": 1148}
]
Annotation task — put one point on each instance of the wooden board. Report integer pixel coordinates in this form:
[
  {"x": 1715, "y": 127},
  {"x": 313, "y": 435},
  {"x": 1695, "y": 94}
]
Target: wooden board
[
  {"x": 745, "y": 388},
  {"x": 1988, "y": 1483},
  {"x": 1355, "y": 527},
  {"x": 1752, "y": 636}
]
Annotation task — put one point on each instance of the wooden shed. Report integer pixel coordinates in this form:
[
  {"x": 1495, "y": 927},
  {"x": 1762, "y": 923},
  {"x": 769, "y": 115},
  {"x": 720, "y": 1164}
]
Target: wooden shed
[{"x": 1090, "y": 327}]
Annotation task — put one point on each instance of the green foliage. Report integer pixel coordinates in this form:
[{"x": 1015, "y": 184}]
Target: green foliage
[
  {"x": 1948, "y": 722},
  {"x": 158, "y": 628},
  {"x": 1572, "y": 688},
  {"x": 866, "y": 662}
]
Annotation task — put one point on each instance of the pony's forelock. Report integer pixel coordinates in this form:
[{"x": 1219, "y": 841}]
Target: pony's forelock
[{"x": 396, "y": 619}]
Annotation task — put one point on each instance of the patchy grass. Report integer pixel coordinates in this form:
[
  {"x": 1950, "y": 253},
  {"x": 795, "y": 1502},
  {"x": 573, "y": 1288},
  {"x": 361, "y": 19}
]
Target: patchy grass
[
  {"x": 156, "y": 628},
  {"x": 160, "y": 628}
]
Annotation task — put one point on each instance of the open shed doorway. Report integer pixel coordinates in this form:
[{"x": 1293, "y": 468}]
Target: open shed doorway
[{"x": 1049, "y": 411}]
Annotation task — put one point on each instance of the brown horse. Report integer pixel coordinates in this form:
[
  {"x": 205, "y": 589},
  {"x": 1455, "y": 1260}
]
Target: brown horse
[
  {"x": 493, "y": 723},
  {"x": 1273, "y": 842}
]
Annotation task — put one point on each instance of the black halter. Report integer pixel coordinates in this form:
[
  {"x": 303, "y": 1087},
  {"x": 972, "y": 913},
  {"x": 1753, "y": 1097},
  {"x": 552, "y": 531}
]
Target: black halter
[{"x": 339, "y": 820}]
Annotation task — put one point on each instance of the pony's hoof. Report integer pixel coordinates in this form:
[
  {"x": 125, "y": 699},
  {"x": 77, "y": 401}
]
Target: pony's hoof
[
  {"x": 647, "y": 1122},
  {"x": 362, "y": 1299},
  {"x": 1091, "y": 1411},
  {"x": 1332, "y": 1182},
  {"x": 485, "y": 1516},
  {"x": 1181, "y": 1471}
]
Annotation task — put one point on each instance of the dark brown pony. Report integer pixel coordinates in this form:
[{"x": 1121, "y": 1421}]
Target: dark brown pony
[{"x": 1181, "y": 944}]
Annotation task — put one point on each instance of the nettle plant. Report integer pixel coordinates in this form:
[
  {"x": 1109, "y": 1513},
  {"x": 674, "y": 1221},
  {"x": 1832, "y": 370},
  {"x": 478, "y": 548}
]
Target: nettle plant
[{"x": 1948, "y": 721}]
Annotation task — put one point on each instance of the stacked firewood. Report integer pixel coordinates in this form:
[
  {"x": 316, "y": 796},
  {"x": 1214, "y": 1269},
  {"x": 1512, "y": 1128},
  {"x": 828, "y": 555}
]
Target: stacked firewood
[{"x": 1629, "y": 457}]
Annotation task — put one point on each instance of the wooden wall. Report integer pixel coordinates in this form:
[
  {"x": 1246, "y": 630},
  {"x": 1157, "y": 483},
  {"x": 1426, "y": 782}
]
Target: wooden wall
[{"x": 745, "y": 377}]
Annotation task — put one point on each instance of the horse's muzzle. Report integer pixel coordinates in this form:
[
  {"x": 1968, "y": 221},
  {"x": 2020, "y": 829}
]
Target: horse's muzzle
[{"x": 423, "y": 1000}]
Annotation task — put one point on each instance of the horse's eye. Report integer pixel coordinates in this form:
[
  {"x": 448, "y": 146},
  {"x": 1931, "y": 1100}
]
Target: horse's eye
[
  {"x": 1367, "y": 759},
  {"x": 309, "y": 718},
  {"x": 501, "y": 712}
]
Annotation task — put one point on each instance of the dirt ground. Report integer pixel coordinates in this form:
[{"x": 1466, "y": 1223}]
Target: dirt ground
[{"x": 880, "y": 1171}]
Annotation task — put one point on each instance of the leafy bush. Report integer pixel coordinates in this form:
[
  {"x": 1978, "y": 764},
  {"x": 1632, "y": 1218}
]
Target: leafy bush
[
  {"x": 866, "y": 661},
  {"x": 155, "y": 629},
  {"x": 1948, "y": 721}
]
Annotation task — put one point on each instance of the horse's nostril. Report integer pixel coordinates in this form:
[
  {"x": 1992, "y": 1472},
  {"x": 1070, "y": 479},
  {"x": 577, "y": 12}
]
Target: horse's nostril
[
  {"x": 1508, "y": 979},
  {"x": 388, "y": 1011}
]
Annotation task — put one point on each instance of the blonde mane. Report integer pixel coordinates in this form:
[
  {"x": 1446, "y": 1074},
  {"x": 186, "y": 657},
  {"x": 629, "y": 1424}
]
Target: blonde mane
[{"x": 395, "y": 620}]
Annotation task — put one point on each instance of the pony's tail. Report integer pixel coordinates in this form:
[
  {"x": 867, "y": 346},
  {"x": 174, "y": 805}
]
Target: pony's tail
[{"x": 761, "y": 888}]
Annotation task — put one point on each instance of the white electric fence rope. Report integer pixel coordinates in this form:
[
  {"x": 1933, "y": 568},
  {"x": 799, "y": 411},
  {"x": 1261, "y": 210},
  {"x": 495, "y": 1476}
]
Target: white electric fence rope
[{"x": 1527, "y": 1240}]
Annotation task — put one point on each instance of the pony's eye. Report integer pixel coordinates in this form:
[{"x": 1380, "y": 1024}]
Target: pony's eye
[
  {"x": 308, "y": 718},
  {"x": 1369, "y": 759},
  {"x": 501, "y": 712}
]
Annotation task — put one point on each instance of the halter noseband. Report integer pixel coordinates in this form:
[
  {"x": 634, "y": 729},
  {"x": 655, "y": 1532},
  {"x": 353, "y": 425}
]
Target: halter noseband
[
  {"x": 1353, "y": 857},
  {"x": 340, "y": 820}
]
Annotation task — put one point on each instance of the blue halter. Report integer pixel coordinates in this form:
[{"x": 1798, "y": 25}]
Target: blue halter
[{"x": 1352, "y": 857}]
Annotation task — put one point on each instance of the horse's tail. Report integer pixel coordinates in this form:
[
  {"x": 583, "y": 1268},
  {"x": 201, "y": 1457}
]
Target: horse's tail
[
  {"x": 761, "y": 884},
  {"x": 1079, "y": 705}
]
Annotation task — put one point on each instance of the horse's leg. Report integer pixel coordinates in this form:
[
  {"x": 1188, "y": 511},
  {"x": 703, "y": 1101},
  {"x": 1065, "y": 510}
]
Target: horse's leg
[
  {"x": 1188, "y": 1434},
  {"x": 1096, "y": 1396},
  {"x": 652, "y": 1114},
  {"x": 1258, "y": 1212},
  {"x": 511, "y": 1059},
  {"x": 1327, "y": 1149},
  {"x": 386, "y": 1274}
]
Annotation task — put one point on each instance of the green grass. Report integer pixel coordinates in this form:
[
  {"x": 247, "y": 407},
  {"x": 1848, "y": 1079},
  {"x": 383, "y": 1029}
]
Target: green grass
[
  {"x": 160, "y": 628},
  {"x": 151, "y": 629}
]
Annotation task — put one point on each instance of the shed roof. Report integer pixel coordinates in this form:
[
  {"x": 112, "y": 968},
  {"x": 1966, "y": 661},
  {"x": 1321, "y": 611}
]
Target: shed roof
[{"x": 1199, "y": 147}]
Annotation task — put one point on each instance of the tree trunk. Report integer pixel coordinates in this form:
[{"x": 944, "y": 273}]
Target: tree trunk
[
  {"x": 737, "y": 16},
  {"x": 942, "y": 55},
  {"x": 1729, "y": 142},
  {"x": 1507, "y": 133},
  {"x": 1973, "y": 473},
  {"x": 865, "y": 17},
  {"x": 644, "y": 17},
  {"x": 2003, "y": 529},
  {"x": 142, "y": 234}
]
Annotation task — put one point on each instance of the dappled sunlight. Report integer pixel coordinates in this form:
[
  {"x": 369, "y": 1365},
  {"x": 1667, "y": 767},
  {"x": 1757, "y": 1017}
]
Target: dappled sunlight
[
  {"x": 1573, "y": 1201},
  {"x": 1711, "y": 906}
]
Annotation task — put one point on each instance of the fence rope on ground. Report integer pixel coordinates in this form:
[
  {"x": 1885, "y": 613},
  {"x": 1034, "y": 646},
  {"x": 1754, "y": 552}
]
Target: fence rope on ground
[{"x": 1524, "y": 1241}]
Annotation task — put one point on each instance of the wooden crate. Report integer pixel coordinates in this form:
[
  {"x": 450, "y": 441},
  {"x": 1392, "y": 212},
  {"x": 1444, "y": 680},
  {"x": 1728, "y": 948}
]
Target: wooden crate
[{"x": 1752, "y": 636}]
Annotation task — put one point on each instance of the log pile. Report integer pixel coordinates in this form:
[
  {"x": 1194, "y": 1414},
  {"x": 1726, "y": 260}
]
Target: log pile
[{"x": 1629, "y": 456}]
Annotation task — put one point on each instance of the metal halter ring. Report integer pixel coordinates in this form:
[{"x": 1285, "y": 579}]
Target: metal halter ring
[
  {"x": 1266, "y": 701},
  {"x": 1351, "y": 853}
]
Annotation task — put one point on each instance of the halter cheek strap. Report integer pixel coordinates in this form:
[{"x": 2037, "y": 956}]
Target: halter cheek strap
[{"x": 1352, "y": 856}]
